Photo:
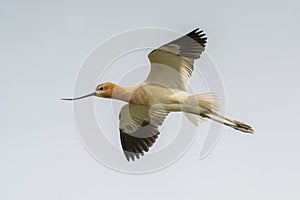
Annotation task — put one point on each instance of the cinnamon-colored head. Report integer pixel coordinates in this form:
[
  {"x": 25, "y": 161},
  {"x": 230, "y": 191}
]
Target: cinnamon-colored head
[{"x": 105, "y": 90}]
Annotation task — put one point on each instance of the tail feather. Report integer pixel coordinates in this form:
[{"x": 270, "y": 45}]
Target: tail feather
[{"x": 208, "y": 101}]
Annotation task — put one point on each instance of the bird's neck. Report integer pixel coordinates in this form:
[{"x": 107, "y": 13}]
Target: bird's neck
[{"x": 122, "y": 93}]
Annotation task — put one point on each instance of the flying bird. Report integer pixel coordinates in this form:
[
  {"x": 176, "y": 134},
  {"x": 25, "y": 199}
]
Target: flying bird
[{"x": 164, "y": 90}]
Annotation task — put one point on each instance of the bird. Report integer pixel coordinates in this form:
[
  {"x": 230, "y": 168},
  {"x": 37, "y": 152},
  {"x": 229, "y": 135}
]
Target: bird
[{"x": 164, "y": 90}]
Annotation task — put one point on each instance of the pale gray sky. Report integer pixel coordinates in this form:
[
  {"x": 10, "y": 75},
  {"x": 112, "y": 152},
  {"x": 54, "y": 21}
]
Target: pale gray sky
[{"x": 255, "y": 46}]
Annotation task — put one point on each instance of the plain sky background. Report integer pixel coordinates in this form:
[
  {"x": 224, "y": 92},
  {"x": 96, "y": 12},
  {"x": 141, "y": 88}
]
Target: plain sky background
[{"x": 255, "y": 45}]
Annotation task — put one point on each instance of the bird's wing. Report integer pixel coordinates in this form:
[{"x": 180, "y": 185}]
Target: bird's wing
[
  {"x": 172, "y": 63},
  {"x": 139, "y": 128}
]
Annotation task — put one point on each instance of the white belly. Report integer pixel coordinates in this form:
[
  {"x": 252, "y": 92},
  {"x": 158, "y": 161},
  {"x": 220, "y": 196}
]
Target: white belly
[{"x": 162, "y": 95}]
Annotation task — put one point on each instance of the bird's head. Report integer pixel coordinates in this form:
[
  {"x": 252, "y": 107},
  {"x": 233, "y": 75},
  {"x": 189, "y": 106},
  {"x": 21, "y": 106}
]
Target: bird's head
[{"x": 104, "y": 90}]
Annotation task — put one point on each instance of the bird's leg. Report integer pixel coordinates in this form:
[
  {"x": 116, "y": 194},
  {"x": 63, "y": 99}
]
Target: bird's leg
[
  {"x": 209, "y": 114},
  {"x": 237, "y": 125}
]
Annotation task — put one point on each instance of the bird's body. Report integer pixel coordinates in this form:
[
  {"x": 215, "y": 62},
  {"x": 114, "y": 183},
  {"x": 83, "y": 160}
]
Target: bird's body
[
  {"x": 162, "y": 92},
  {"x": 148, "y": 94}
]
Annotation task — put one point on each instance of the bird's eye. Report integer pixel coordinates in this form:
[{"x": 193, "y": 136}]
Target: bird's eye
[{"x": 101, "y": 88}]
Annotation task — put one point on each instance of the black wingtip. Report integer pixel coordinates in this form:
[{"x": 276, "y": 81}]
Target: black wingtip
[
  {"x": 134, "y": 146},
  {"x": 197, "y": 31},
  {"x": 199, "y": 36}
]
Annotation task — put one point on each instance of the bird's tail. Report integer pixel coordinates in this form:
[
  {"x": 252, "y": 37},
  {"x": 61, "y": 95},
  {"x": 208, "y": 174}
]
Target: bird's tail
[
  {"x": 201, "y": 103},
  {"x": 208, "y": 108},
  {"x": 205, "y": 102}
]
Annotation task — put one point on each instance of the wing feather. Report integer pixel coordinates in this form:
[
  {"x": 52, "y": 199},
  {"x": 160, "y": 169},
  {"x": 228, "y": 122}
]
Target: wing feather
[
  {"x": 172, "y": 63},
  {"x": 139, "y": 129}
]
